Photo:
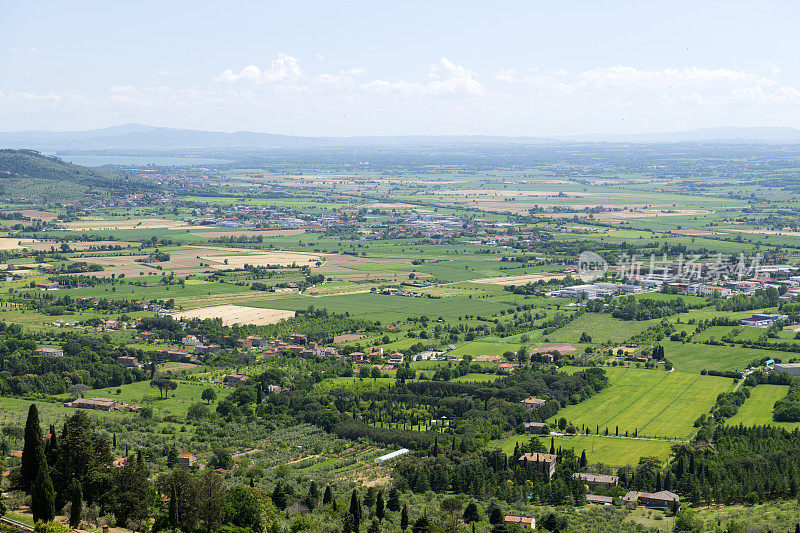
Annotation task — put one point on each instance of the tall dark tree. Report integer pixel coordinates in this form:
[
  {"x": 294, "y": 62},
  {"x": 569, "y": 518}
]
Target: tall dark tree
[
  {"x": 328, "y": 496},
  {"x": 394, "y": 500},
  {"x": 355, "y": 506},
  {"x": 279, "y": 497},
  {"x": 32, "y": 450},
  {"x": 173, "y": 508},
  {"x": 380, "y": 512},
  {"x": 584, "y": 461},
  {"x": 43, "y": 497},
  {"x": 471, "y": 513},
  {"x": 76, "y": 507},
  {"x": 404, "y": 518},
  {"x": 495, "y": 517}
]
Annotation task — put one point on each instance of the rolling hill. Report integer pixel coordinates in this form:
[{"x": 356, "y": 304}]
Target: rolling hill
[{"x": 27, "y": 174}]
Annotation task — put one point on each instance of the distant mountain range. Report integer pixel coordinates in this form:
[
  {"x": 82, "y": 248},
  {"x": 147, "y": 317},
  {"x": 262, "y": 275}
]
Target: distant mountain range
[{"x": 137, "y": 137}]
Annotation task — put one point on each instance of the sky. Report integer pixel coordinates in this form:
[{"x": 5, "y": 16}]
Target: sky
[{"x": 526, "y": 68}]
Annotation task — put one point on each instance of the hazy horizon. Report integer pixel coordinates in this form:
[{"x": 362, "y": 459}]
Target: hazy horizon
[{"x": 358, "y": 69}]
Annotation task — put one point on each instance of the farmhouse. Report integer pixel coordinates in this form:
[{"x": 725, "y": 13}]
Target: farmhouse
[
  {"x": 542, "y": 358},
  {"x": 127, "y": 360},
  {"x": 177, "y": 356},
  {"x": 543, "y": 462},
  {"x": 537, "y": 427},
  {"x": 597, "y": 480},
  {"x": 50, "y": 352},
  {"x": 297, "y": 338},
  {"x": 237, "y": 380},
  {"x": 526, "y": 522},
  {"x": 533, "y": 403},
  {"x": 600, "y": 500},
  {"x": 190, "y": 340},
  {"x": 207, "y": 348},
  {"x": 395, "y": 359},
  {"x": 186, "y": 461},
  {"x": 99, "y": 404},
  {"x": 659, "y": 500}
]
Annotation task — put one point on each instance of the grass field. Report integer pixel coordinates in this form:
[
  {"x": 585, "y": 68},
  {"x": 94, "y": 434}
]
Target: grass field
[
  {"x": 601, "y": 327},
  {"x": 694, "y": 357},
  {"x": 757, "y": 410},
  {"x": 654, "y": 402},
  {"x": 608, "y": 450}
]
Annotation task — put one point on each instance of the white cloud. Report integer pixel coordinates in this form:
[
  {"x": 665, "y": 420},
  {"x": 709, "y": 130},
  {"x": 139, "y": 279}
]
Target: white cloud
[
  {"x": 343, "y": 77},
  {"x": 284, "y": 68},
  {"x": 446, "y": 79}
]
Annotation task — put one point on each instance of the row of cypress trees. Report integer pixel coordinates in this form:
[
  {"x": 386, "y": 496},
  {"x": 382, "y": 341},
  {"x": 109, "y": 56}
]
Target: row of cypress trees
[{"x": 35, "y": 475}]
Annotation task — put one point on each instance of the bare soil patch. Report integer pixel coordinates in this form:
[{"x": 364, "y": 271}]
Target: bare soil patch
[
  {"x": 237, "y": 314},
  {"x": 519, "y": 280},
  {"x": 44, "y": 216},
  {"x": 561, "y": 348},
  {"x": 136, "y": 223}
]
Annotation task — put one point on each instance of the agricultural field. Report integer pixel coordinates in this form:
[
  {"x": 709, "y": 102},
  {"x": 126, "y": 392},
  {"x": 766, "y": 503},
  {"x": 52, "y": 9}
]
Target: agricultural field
[
  {"x": 653, "y": 403},
  {"x": 335, "y": 314}
]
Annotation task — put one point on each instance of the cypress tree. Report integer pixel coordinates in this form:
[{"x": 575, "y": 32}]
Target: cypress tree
[
  {"x": 355, "y": 506},
  {"x": 42, "y": 494},
  {"x": 328, "y": 496},
  {"x": 404, "y": 518},
  {"x": 173, "y": 508},
  {"x": 584, "y": 462},
  {"x": 380, "y": 512},
  {"x": 32, "y": 451},
  {"x": 76, "y": 509},
  {"x": 552, "y": 446}
]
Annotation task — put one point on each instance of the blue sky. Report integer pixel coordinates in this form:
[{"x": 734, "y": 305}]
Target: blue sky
[{"x": 393, "y": 68}]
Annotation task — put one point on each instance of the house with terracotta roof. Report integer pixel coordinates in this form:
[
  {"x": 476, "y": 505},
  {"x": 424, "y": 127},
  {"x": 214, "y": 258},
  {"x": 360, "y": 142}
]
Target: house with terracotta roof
[
  {"x": 542, "y": 462},
  {"x": 526, "y": 522},
  {"x": 596, "y": 480},
  {"x": 663, "y": 499},
  {"x": 533, "y": 403},
  {"x": 541, "y": 428},
  {"x": 186, "y": 461}
]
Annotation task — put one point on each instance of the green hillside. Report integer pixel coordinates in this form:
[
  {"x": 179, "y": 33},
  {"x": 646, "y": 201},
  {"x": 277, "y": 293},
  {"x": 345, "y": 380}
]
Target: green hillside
[{"x": 27, "y": 174}]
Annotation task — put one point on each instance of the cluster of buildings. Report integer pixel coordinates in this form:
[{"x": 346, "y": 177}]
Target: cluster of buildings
[
  {"x": 593, "y": 291},
  {"x": 239, "y": 216},
  {"x": 102, "y": 404}
]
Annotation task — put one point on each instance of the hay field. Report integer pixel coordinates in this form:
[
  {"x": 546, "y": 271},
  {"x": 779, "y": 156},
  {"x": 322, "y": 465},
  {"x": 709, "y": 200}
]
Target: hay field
[
  {"x": 237, "y": 314},
  {"x": 137, "y": 223},
  {"x": 519, "y": 280},
  {"x": 225, "y": 259},
  {"x": 8, "y": 243}
]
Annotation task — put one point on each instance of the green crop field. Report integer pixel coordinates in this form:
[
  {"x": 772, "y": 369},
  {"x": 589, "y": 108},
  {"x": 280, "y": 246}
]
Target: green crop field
[
  {"x": 607, "y": 450},
  {"x": 654, "y": 402},
  {"x": 694, "y": 357},
  {"x": 601, "y": 327},
  {"x": 757, "y": 409}
]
